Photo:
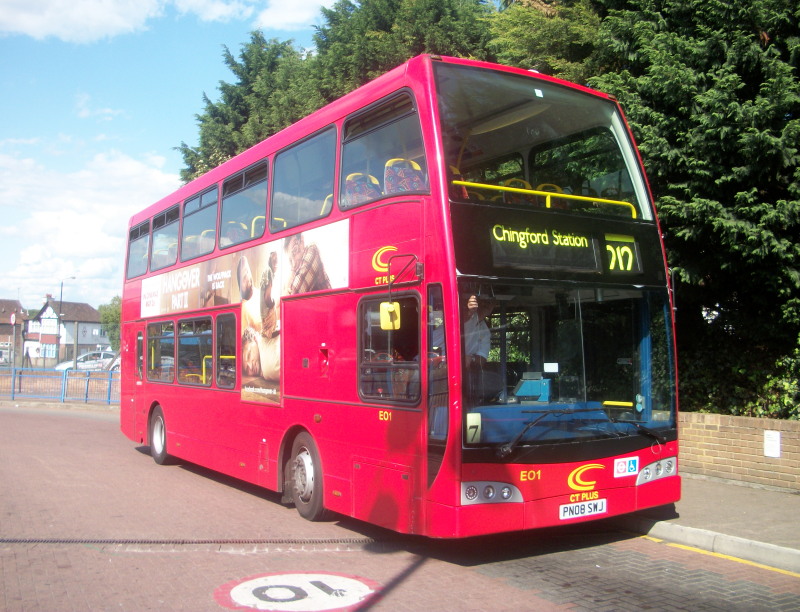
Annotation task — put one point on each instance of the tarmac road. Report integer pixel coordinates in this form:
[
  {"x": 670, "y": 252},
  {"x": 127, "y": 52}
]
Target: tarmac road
[{"x": 88, "y": 521}]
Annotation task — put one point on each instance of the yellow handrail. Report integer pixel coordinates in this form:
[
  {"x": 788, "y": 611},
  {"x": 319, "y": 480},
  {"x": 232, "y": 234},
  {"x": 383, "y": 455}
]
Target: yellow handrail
[{"x": 548, "y": 195}]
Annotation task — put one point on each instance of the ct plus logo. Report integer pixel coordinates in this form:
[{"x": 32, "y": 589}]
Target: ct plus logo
[
  {"x": 578, "y": 480},
  {"x": 380, "y": 263},
  {"x": 380, "y": 259}
]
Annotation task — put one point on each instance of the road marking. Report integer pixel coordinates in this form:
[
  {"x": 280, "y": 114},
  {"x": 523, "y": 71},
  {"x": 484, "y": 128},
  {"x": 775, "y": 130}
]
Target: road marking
[
  {"x": 296, "y": 592},
  {"x": 736, "y": 559},
  {"x": 651, "y": 538}
]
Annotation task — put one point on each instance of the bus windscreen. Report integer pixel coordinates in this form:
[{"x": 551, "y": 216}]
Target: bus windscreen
[{"x": 514, "y": 140}]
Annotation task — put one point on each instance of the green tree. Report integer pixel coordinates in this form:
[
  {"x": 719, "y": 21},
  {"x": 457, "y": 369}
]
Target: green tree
[
  {"x": 556, "y": 38},
  {"x": 359, "y": 41},
  {"x": 274, "y": 87},
  {"x": 712, "y": 94},
  {"x": 276, "y": 84},
  {"x": 110, "y": 318}
]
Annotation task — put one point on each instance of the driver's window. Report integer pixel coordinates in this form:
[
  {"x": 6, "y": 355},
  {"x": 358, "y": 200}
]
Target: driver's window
[{"x": 389, "y": 358}]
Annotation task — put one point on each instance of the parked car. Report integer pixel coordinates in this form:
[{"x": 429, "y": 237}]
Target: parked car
[{"x": 96, "y": 360}]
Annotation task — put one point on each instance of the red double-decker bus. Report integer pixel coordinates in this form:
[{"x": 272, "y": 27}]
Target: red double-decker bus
[{"x": 439, "y": 304}]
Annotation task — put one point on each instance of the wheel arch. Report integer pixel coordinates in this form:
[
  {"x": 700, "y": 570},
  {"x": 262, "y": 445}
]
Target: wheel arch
[
  {"x": 153, "y": 405},
  {"x": 285, "y": 454}
]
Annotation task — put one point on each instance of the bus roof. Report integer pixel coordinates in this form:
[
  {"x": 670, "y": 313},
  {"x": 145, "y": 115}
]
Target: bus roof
[{"x": 415, "y": 73}]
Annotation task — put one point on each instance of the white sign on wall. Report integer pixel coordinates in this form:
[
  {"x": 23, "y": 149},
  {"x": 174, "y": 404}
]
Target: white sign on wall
[{"x": 772, "y": 443}]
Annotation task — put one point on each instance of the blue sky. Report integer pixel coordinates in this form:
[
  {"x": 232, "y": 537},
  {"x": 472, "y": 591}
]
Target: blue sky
[{"x": 96, "y": 95}]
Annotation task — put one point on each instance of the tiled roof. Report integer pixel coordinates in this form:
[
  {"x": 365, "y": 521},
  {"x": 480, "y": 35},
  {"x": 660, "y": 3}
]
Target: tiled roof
[
  {"x": 73, "y": 311},
  {"x": 7, "y": 307}
]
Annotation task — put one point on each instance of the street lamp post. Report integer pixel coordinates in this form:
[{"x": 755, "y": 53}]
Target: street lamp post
[{"x": 58, "y": 317}]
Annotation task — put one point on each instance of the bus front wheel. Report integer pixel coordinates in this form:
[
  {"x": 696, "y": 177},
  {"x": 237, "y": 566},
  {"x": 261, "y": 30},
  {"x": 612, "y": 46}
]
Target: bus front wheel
[
  {"x": 306, "y": 478},
  {"x": 158, "y": 437}
]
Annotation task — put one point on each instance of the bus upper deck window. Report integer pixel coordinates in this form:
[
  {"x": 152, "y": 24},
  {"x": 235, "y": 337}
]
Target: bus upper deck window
[
  {"x": 165, "y": 239},
  {"x": 244, "y": 202},
  {"x": 303, "y": 183},
  {"x": 138, "y": 247},
  {"x": 199, "y": 224},
  {"x": 382, "y": 153}
]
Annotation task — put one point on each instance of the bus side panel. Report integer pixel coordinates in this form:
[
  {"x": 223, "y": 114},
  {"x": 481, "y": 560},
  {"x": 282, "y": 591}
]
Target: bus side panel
[
  {"x": 373, "y": 479},
  {"x": 384, "y": 495},
  {"x": 127, "y": 399},
  {"x": 372, "y": 251},
  {"x": 658, "y": 493}
]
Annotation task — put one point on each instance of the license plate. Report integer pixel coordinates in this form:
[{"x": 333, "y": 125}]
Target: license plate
[{"x": 581, "y": 509}]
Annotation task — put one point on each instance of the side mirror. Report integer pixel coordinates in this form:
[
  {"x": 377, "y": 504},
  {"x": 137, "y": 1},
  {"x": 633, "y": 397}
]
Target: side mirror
[{"x": 390, "y": 316}]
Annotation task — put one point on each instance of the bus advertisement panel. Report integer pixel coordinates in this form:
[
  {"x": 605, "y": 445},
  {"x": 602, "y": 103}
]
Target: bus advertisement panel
[{"x": 256, "y": 277}]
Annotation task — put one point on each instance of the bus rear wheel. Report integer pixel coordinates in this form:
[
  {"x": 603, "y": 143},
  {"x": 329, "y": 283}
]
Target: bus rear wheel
[
  {"x": 306, "y": 478},
  {"x": 158, "y": 437}
]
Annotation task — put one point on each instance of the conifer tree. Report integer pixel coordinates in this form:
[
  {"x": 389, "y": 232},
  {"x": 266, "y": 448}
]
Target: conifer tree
[{"x": 712, "y": 93}]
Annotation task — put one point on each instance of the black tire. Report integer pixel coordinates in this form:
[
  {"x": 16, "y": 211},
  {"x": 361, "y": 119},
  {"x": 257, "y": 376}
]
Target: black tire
[
  {"x": 158, "y": 436},
  {"x": 305, "y": 478}
]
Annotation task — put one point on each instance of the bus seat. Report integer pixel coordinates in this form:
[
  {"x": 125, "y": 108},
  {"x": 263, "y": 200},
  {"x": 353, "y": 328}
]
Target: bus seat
[
  {"x": 518, "y": 198},
  {"x": 402, "y": 175},
  {"x": 207, "y": 239},
  {"x": 189, "y": 247},
  {"x": 552, "y": 187},
  {"x": 457, "y": 192},
  {"x": 235, "y": 232},
  {"x": 257, "y": 226},
  {"x": 359, "y": 187},
  {"x": 327, "y": 205},
  {"x": 158, "y": 258}
]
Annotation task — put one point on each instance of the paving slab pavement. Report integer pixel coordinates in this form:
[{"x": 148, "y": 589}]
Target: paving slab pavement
[{"x": 757, "y": 524}]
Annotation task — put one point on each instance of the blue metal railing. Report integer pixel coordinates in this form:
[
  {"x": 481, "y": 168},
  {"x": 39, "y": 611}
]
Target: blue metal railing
[{"x": 61, "y": 386}]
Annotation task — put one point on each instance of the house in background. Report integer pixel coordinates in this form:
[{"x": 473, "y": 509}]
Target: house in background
[
  {"x": 12, "y": 326},
  {"x": 60, "y": 331}
]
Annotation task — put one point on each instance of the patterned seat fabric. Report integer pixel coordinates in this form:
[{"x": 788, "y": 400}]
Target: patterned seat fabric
[
  {"x": 403, "y": 175},
  {"x": 360, "y": 188}
]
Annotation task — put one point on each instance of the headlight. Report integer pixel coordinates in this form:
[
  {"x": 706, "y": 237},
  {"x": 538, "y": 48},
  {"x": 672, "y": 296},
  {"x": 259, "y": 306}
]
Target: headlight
[
  {"x": 658, "y": 469},
  {"x": 489, "y": 493}
]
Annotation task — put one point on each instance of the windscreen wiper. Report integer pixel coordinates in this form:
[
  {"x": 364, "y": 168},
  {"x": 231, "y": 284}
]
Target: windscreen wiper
[
  {"x": 505, "y": 450},
  {"x": 643, "y": 429}
]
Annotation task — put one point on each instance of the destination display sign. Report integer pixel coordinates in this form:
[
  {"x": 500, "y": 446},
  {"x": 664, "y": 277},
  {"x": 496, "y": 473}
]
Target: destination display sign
[
  {"x": 493, "y": 241},
  {"x": 622, "y": 254},
  {"x": 543, "y": 247},
  {"x": 546, "y": 247}
]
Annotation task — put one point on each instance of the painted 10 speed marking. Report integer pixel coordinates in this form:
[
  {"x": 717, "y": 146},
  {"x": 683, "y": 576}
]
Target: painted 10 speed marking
[{"x": 297, "y": 592}]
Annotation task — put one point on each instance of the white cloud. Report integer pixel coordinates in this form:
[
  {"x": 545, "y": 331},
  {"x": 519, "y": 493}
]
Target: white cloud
[
  {"x": 88, "y": 111},
  {"x": 295, "y": 15},
  {"x": 215, "y": 10},
  {"x": 12, "y": 142},
  {"x": 84, "y": 21},
  {"x": 72, "y": 224},
  {"x": 77, "y": 20}
]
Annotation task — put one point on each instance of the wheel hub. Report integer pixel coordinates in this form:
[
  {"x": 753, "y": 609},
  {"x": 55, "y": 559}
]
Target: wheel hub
[{"x": 304, "y": 475}]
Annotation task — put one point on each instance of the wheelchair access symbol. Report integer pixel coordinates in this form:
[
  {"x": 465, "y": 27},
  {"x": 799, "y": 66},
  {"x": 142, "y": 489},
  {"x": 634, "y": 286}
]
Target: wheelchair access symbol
[
  {"x": 626, "y": 466},
  {"x": 296, "y": 592}
]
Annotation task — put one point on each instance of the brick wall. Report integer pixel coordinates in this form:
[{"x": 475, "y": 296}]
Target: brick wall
[{"x": 736, "y": 448}]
